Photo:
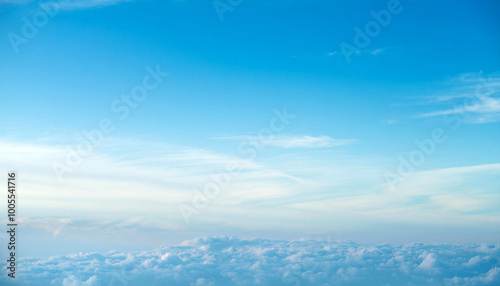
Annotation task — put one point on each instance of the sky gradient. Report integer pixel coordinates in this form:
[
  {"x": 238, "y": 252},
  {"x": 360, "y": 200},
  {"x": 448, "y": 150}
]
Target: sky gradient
[{"x": 173, "y": 95}]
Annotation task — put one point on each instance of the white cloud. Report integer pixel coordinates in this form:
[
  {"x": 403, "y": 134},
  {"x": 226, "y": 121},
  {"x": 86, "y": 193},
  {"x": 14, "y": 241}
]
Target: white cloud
[
  {"x": 54, "y": 226},
  {"x": 289, "y": 141},
  {"x": 376, "y": 52},
  {"x": 131, "y": 176},
  {"x": 138, "y": 180},
  {"x": 233, "y": 261},
  {"x": 428, "y": 262},
  {"x": 360, "y": 52},
  {"x": 473, "y": 96},
  {"x": 489, "y": 105},
  {"x": 79, "y": 4}
]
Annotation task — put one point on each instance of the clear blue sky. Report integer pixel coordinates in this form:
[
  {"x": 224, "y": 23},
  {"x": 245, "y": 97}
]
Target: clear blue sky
[{"x": 323, "y": 174}]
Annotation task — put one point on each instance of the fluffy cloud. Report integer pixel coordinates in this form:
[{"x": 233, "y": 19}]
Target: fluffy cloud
[{"x": 232, "y": 261}]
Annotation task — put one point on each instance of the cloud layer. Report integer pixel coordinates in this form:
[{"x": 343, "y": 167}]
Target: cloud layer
[
  {"x": 232, "y": 261},
  {"x": 140, "y": 180}
]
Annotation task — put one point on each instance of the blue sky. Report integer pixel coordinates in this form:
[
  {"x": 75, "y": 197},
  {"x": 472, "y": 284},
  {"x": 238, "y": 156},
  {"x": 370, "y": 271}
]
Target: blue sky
[{"x": 323, "y": 174}]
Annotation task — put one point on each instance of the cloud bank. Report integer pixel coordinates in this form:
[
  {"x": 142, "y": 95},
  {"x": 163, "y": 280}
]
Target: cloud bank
[{"x": 233, "y": 261}]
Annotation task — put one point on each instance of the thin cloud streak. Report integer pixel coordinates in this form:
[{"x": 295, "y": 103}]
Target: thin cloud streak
[
  {"x": 289, "y": 141},
  {"x": 474, "y": 96}
]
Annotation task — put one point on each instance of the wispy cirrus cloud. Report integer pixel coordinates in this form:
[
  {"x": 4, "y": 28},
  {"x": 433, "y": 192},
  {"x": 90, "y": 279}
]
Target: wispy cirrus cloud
[
  {"x": 65, "y": 226},
  {"x": 133, "y": 188},
  {"x": 169, "y": 173},
  {"x": 291, "y": 141},
  {"x": 373, "y": 52},
  {"x": 487, "y": 110},
  {"x": 473, "y": 96},
  {"x": 51, "y": 225}
]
